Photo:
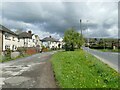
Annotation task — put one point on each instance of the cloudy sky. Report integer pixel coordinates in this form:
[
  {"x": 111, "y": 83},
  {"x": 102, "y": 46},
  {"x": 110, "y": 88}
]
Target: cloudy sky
[{"x": 99, "y": 19}]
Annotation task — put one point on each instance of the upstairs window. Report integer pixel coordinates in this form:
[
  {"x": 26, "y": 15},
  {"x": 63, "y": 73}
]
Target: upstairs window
[
  {"x": 33, "y": 40},
  {"x": 13, "y": 38},
  {"x": 7, "y": 36},
  {"x": 18, "y": 40}
]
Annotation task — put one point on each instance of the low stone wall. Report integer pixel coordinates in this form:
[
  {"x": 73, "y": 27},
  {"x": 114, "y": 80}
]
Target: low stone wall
[{"x": 15, "y": 54}]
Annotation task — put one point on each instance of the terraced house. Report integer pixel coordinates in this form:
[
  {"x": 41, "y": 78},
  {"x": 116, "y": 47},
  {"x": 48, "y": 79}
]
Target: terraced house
[
  {"x": 8, "y": 39},
  {"x": 28, "y": 39},
  {"x": 11, "y": 40}
]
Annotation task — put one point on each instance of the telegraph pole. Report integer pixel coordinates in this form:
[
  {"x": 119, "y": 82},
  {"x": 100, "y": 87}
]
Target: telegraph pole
[
  {"x": 88, "y": 33},
  {"x": 81, "y": 26}
]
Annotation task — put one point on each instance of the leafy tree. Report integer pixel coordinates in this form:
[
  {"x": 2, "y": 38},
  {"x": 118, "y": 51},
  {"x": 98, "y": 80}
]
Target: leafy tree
[{"x": 72, "y": 39}]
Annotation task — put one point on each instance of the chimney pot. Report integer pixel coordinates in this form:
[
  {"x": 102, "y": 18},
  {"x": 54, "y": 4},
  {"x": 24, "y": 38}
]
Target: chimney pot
[{"x": 30, "y": 32}]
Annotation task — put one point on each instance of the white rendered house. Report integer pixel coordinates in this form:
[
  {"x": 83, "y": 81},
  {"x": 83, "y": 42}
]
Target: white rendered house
[
  {"x": 51, "y": 43},
  {"x": 9, "y": 39}
]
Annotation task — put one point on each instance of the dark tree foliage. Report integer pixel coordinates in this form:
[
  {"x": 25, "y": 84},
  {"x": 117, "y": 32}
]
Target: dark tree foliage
[{"x": 72, "y": 39}]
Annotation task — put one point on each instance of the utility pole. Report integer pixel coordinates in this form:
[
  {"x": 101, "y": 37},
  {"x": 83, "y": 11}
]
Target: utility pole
[
  {"x": 81, "y": 27},
  {"x": 88, "y": 33}
]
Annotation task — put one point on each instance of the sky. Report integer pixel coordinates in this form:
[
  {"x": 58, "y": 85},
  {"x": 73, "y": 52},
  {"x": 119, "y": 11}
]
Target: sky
[{"x": 99, "y": 19}]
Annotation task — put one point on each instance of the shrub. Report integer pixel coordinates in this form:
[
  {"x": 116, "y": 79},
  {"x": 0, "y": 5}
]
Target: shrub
[
  {"x": 8, "y": 53},
  {"x": 22, "y": 50}
]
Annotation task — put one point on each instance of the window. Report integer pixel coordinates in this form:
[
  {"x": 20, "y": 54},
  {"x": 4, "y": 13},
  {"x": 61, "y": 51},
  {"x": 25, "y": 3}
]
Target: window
[
  {"x": 7, "y": 36},
  {"x": 13, "y": 38},
  {"x": 18, "y": 40},
  {"x": 7, "y": 47},
  {"x": 13, "y": 47},
  {"x": 33, "y": 40}
]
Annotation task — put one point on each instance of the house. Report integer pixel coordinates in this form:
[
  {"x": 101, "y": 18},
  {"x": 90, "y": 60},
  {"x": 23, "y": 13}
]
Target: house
[
  {"x": 28, "y": 39},
  {"x": 25, "y": 39},
  {"x": 38, "y": 42},
  {"x": 51, "y": 43},
  {"x": 9, "y": 40},
  {"x": 61, "y": 43}
]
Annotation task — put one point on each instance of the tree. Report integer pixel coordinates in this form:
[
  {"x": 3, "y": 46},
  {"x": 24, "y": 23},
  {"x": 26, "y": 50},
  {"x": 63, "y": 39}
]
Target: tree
[{"x": 72, "y": 39}]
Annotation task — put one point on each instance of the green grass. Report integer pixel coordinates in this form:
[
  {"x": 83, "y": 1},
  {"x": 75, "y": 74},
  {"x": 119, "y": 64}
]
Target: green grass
[
  {"x": 78, "y": 69},
  {"x": 6, "y": 59},
  {"x": 0, "y": 58},
  {"x": 109, "y": 50}
]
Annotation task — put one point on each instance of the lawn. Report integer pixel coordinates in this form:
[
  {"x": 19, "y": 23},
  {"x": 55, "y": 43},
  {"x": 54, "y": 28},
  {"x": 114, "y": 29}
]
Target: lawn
[{"x": 78, "y": 69}]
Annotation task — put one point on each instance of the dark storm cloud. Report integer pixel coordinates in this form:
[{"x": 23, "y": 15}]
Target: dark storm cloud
[{"x": 55, "y": 18}]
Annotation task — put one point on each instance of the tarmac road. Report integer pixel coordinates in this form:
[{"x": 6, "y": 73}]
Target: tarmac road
[
  {"x": 30, "y": 72},
  {"x": 110, "y": 58}
]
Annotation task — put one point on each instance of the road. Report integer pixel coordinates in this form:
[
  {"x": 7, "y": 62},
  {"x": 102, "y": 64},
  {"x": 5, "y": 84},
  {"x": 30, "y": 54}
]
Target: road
[
  {"x": 30, "y": 72},
  {"x": 109, "y": 58}
]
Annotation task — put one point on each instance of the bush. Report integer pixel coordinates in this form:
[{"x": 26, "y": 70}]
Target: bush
[
  {"x": 22, "y": 50},
  {"x": 8, "y": 53},
  {"x": 44, "y": 49}
]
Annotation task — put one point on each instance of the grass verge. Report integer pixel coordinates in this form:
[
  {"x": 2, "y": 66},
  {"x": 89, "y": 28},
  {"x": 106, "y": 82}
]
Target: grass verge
[
  {"x": 10, "y": 59},
  {"x": 109, "y": 50},
  {"x": 78, "y": 69}
]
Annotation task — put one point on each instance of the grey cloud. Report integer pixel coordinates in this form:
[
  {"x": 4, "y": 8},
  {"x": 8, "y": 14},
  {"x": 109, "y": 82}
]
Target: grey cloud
[{"x": 55, "y": 18}]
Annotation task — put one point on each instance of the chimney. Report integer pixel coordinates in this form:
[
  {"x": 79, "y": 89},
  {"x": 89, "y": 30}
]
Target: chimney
[{"x": 30, "y": 32}]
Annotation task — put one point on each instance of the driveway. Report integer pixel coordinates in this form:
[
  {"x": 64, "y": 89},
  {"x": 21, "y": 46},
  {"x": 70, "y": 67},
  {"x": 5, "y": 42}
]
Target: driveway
[
  {"x": 109, "y": 58},
  {"x": 30, "y": 72}
]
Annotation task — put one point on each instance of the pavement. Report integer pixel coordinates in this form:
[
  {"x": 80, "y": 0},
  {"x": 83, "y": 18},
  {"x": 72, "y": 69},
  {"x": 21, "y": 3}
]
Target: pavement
[
  {"x": 110, "y": 58},
  {"x": 31, "y": 72}
]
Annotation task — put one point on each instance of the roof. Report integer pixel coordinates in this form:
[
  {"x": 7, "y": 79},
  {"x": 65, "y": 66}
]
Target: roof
[
  {"x": 49, "y": 39},
  {"x": 4, "y": 29},
  {"x": 25, "y": 35}
]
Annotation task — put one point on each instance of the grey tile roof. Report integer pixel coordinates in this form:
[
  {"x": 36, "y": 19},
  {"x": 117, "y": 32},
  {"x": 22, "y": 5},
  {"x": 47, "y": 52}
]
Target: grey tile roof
[
  {"x": 4, "y": 29},
  {"x": 49, "y": 39},
  {"x": 25, "y": 35}
]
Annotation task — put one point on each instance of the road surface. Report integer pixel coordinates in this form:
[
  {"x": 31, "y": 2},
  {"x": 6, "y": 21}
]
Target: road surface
[
  {"x": 30, "y": 72},
  {"x": 110, "y": 58}
]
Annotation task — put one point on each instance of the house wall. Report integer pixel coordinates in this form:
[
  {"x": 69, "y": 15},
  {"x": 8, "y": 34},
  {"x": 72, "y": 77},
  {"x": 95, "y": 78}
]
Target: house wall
[
  {"x": 45, "y": 44},
  {"x": 51, "y": 44},
  {"x": 21, "y": 43},
  {"x": 10, "y": 42},
  {"x": 38, "y": 42},
  {"x": 27, "y": 42},
  {"x": 0, "y": 41}
]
